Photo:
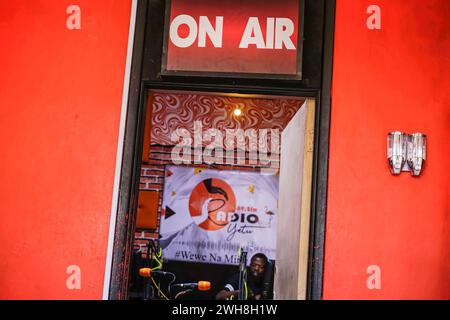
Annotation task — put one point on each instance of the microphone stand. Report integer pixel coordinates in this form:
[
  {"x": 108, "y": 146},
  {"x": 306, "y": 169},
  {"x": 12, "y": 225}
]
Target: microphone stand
[{"x": 242, "y": 275}]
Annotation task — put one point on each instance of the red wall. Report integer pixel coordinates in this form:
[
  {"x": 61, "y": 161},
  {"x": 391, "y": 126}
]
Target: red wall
[
  {"x": 395, "y": 78},
  {"x": 60, "y": 98}
]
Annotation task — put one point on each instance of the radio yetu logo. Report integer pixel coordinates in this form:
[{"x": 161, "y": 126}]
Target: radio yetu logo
[
  {"x": 212, "y": 203},
  {"x": 212, "y": 206}
]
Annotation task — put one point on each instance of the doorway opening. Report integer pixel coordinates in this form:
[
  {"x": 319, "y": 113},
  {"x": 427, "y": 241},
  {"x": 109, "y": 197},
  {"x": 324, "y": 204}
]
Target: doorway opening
[{"x": 222, "y": 174}]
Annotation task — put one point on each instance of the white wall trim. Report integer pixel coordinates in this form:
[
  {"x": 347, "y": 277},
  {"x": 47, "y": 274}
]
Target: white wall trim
[{"x": 119, "y": 156}]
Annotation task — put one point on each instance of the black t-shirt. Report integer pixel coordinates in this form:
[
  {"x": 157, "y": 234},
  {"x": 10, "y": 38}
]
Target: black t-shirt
[{"x": 253, "y": 288}]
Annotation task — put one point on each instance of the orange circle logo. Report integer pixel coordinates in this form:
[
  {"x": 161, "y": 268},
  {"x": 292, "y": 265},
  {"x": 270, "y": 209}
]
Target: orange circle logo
[{"x": 211, "y": 202}]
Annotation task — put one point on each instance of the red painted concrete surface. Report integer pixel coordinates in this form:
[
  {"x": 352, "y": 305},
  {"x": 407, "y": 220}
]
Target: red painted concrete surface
[
  {"x": 60, "y": 98},
  {"x": 391, "y": 79}
]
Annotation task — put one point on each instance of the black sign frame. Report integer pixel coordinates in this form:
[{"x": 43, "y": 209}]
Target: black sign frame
[{"x": 216, "y": 74}]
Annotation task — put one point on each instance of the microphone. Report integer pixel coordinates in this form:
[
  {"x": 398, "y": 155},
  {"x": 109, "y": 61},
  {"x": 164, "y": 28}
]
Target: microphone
[
  {"x": 146, "y": 272},
  {"x": 200, "y": 285}
]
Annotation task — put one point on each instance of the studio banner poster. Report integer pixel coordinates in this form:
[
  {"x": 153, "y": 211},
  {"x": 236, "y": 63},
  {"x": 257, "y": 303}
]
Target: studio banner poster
[{"x": 208, "y": 216}]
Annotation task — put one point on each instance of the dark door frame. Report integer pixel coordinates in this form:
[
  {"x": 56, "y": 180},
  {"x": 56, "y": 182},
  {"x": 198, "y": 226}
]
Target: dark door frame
[{"x": 133, "y": 140}]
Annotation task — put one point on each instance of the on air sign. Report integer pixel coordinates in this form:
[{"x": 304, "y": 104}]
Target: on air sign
[{"x": 249, "y": 37}]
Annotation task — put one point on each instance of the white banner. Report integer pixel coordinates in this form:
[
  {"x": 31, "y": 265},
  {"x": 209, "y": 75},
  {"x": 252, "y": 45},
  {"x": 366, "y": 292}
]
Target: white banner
[{"x": 208, "y": 215}]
